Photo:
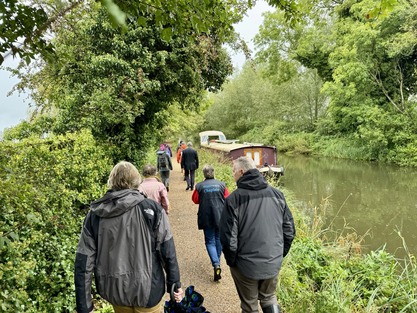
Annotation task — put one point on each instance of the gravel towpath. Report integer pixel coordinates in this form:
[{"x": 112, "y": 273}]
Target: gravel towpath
[{"x": 194, "y": 262}]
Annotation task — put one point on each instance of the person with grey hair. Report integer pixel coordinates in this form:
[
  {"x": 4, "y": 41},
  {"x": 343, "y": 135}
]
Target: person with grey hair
[
  {"x": 256, "y": 232},
  {"x": 210, "y": 195},
  {"x": 127, "y": 244},
  {"x": 152, "y": 187},
  {"x": 189, "y": 161}
]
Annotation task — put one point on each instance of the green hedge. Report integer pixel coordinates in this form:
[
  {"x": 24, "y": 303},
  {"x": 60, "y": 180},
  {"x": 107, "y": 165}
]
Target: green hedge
[{"x": 46, "y": 186}]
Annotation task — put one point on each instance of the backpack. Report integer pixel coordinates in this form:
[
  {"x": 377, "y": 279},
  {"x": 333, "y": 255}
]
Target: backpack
[{"x": 162, "y": 160}]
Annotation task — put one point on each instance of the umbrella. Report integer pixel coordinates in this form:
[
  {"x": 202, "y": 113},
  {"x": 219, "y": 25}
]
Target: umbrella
[{"x": 191, "y": 303}]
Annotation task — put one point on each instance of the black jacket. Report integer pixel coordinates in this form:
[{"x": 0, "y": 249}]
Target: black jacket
[
  {"x": 189, "y": 159},
  {"x": 210, "y": 195},
  {"x": 256, "y": 227}
]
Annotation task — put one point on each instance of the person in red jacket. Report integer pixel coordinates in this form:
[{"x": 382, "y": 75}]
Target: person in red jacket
[
  {"x": 210, "y": 194},
  {"x": 179, "y": 154}
]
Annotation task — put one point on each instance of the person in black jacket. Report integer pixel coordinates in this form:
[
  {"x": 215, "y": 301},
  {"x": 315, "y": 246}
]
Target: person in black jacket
[
  {"x": 256, "y": 232},
  {"x": 126, "y": 242},
  {"x": 210, "y": 194},
  {"x": 189, "y": 161}
]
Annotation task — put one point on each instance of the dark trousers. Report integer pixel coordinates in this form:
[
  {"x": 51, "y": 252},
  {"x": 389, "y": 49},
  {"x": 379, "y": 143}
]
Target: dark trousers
[
  {"x": 164, "y": 177},
  {"x": 251, "y": 290},
  {"x": 189, "y": 177}
]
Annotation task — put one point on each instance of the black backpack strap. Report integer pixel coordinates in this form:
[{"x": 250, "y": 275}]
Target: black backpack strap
[{"x": 153, "y": 216}]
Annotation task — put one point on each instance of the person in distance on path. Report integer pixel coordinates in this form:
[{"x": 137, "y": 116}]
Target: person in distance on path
[
  {"x": 210, "y": 195},
  {"x": 163, "y": 165},
  {"x": 152, "y": 187},
  {"x": 189, "y": 161},
  {"x": 256, "y": 232}
]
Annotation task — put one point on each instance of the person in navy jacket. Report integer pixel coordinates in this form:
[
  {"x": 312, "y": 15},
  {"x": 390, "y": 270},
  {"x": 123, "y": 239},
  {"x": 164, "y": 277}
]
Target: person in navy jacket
[{"x": 210, "y": 194}]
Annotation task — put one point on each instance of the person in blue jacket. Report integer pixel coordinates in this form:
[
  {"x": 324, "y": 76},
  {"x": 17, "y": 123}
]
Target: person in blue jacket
[{"x": 210, "y": 195}]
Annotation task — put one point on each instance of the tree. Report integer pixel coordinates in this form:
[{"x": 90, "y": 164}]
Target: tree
[
  {"x": 115, "y": 83},
  {"x": 374, "y": 76},
  {"x": 25, "y": 26},
  {"x": 300, "y": 102}
]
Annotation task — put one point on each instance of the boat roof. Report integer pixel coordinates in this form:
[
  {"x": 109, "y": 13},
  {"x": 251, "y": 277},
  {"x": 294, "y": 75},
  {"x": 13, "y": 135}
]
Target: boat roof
[
  {"x": 211, "y": 133},
  {"x": 223, "y": 145}
]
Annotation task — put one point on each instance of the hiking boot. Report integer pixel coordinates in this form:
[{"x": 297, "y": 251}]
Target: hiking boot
[
  {"x": 217, "y": 273},
  {"x": 168, "y": 188}
]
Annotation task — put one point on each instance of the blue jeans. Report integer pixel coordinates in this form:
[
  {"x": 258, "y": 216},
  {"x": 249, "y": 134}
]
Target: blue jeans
[{"x": 213, "y": 245}]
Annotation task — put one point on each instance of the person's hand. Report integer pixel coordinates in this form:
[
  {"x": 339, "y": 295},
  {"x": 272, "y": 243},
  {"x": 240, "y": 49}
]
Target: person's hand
[{"x": 178, "y": 295}]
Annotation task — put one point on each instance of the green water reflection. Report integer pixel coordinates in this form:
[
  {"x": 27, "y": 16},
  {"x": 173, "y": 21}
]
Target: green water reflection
[{"x": 369, "y": 197}]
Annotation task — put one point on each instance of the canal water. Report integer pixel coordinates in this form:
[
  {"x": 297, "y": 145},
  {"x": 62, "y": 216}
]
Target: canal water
[{"x": 378, "y": 201}]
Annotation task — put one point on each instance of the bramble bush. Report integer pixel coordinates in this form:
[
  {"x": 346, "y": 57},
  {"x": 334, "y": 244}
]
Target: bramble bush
[{"x": 46, "y": 186}]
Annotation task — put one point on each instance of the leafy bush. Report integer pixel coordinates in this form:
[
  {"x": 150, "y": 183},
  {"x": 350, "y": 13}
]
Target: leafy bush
[
  {"x": 222, "y": 167},
  {"x": 46, "y": 185}
]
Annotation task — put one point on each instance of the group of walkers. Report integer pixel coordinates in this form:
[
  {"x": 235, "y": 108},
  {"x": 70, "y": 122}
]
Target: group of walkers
[{"x": 126, "y": 240}]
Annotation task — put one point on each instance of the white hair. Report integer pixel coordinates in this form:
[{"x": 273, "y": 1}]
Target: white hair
[{"x": 244, "y": 163}]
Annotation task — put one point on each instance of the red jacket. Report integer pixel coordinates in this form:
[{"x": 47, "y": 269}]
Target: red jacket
[{"x": 179, "y": 152}]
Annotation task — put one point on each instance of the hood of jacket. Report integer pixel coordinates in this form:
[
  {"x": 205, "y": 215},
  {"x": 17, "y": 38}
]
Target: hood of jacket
[
  {"x": 116, "y": 202},
  {"x": 253, "y": 180}
]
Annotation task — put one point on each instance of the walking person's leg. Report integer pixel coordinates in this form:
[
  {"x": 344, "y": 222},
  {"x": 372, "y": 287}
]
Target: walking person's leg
[
  {"x": 192, "y": 176},
  {"x": 210, "y": 240},
  {"x": 164, "y": 177},
  {"x": 267, "y": 296},
  {"x": 247, "y": 290},
  {"x": 187, "y": 178},
  {"x": 167, "y": 180},
  {"x": 218, "y": 243}
]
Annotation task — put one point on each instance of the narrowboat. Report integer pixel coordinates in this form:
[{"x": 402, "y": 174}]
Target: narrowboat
[{"x": 265, "y": 157}]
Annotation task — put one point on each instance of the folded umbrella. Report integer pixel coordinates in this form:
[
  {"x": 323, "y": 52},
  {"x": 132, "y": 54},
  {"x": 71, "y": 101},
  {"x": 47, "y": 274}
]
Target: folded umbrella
[{"x": 191, "y": 303}]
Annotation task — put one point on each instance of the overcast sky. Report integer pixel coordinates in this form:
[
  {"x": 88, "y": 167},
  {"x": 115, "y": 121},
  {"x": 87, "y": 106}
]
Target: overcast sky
[{"x": 14, "y": 108}]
